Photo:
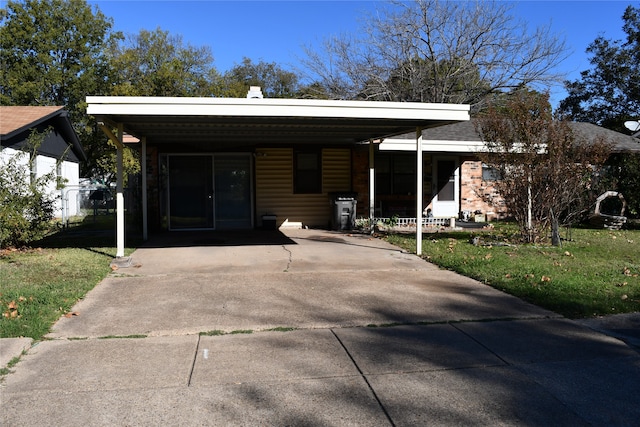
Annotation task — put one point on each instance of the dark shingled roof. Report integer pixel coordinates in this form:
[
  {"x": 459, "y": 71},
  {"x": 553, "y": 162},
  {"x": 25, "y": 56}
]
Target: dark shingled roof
[{"x": 466, "y": 131}]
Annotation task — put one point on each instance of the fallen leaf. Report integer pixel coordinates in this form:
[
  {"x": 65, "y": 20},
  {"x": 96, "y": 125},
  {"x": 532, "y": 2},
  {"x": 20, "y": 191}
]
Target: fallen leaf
[
  {"x": 12, "y": 305},
  {"x": 624, "y": 297},
  {"x": 545, "y": 279},
  {"x": 508, "y": 276},
  {"x": 488, "y": 256},
  {"x": 567, "y": 253},
  {"x": 71, "y": 314},
  {"x": 626, "y": 271},
  {"x": 529, "y": 276},
  {"x": 114, "y": 267}
]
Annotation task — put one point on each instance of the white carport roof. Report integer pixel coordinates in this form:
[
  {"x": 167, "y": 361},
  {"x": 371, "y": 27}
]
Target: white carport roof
[
  {"x": 218, "y": 123},
  {"x": 242, "y": 121}
]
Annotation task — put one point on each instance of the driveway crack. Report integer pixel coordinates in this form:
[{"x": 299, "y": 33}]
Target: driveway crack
[
  {"x": 193, "y": 363},
  {"x": 364, "y": 377},
  {"x": 290, "y": 258}
]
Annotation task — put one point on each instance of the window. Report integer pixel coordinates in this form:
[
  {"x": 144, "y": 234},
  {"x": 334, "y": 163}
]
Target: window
[
  {"x": 307, "y": 172},
  {"x": 490, "y": 173},
  {"x": 395, "y": 173}
]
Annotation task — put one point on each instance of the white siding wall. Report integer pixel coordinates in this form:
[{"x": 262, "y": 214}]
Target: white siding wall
[{"x": 69, "y": 171}]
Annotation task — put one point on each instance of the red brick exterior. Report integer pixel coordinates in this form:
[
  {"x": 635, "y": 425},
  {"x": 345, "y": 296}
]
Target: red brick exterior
[{"x": 476, "y": 194}]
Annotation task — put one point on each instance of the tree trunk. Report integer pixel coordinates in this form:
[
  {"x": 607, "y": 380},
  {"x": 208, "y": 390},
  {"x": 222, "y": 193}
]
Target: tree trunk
[{"x": 555, "y": 230}]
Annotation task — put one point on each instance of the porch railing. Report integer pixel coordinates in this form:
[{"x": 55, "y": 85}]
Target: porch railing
[{"x": 411, "y": 222}]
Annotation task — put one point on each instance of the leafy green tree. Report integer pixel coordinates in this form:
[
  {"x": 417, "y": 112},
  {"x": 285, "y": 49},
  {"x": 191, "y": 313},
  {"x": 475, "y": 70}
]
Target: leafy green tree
[
  {"x": 54, "y": 52},
  {"x": 156, "y": 63},
  {"x": 546, "y": 171},
  {"x": 275, "y": 81},
  {"x": 608, "y": 94}
]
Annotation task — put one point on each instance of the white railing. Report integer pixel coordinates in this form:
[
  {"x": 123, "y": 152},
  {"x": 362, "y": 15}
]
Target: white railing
[{"x": 406, "y": 222}]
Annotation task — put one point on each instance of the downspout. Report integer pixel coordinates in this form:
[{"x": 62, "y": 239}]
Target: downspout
[{"x": 419, "y": 194}]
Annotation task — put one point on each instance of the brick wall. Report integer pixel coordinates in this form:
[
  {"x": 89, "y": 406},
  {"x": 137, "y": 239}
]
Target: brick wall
[{"x": 476, "y": 194}]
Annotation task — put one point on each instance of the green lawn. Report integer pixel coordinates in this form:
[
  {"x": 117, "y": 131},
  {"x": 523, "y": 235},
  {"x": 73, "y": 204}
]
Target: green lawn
[
  {"x": 39, "y": 285},
  {"x": 596, "y": 272}
]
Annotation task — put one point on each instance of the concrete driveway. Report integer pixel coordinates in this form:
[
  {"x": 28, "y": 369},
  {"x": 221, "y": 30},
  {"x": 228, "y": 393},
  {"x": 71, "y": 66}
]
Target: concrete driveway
[{"x": 345, "y": 330}]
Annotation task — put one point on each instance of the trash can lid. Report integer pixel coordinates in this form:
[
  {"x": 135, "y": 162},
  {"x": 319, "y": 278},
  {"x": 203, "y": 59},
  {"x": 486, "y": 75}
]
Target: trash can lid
[{"x": 343, "y": 195}]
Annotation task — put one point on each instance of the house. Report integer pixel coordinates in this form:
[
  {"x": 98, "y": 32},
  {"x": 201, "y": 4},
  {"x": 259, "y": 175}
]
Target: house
[
  {"x": 60, "y": 150},
  {"x": 227, "y": 163},
  {"x": 456, "y": 183}
]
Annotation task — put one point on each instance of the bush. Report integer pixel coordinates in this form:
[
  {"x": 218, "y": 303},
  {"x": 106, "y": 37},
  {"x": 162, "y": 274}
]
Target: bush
[{"x": 26, "y": 208}]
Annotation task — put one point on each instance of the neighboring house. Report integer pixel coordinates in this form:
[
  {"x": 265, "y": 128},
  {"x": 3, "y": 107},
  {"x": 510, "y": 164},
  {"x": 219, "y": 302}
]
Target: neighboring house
[
  {"x": 60, "y": 150},
  {"x": 455, "y": 180}
]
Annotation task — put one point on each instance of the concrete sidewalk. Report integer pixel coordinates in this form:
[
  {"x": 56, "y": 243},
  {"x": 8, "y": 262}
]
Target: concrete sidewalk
[{"x": 367, "y": 335}]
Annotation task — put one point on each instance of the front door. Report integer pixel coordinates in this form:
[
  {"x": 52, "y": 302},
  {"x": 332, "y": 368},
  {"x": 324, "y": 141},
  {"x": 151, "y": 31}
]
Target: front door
[
  {"x": 233, "y": 191},
  {"x": 191, "y": 202},
  {"x": 446, "y": 188}
]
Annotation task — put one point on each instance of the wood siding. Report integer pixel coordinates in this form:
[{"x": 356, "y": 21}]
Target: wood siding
[{"x": 274, "y": 187}]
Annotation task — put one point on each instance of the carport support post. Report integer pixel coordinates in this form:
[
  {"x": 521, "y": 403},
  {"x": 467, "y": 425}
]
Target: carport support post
[
  {"x": 419, "y": 194},
  {"x": 119, "y": 195},
  {"x": 145, "y": 229},
  {"x": 372, "y": 184}
]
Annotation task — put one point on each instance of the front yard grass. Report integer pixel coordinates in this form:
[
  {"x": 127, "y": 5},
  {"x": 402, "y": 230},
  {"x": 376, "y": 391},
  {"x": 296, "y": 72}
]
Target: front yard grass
[
  {"x": 39, "y": 285},
  {"x": 596, "y": 272}
]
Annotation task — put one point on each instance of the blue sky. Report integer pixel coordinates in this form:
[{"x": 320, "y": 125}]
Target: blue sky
[{"x": 275, "y": 31}]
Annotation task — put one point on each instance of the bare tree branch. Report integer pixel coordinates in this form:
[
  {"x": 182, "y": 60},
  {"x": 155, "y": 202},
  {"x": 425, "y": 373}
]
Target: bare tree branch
[{"x": 437, "y": 51}]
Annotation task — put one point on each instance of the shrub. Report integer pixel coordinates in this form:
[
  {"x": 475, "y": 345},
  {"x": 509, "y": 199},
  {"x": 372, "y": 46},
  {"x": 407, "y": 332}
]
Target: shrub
[{"x": 26, "y": 208}]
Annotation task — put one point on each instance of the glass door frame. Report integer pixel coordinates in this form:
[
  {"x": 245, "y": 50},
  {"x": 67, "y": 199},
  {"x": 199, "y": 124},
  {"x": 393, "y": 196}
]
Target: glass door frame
[{"x": 214, "y": 201}]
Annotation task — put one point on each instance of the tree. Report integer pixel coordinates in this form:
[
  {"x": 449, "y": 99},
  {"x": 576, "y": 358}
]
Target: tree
[
  {"x": 547, "y": 174},
  {"x": 442, "y": 51},
  {"x": 54, "y": 52},
  {"x": 275, "y": 81},
  {"x": 155, "y": 63},
  {"x": 608, "y": 94}
]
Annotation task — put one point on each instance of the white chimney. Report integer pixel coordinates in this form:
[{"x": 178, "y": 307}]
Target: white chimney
[{"x": 255, "y": 92}]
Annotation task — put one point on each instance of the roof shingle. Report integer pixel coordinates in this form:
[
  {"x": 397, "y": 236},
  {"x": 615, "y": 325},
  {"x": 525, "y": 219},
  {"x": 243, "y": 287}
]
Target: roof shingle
[{"x": 13, "y": 118}]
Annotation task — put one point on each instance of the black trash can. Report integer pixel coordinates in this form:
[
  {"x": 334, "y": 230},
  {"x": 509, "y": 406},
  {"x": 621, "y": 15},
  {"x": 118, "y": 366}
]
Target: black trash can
[{"x": 344, "y": 210}]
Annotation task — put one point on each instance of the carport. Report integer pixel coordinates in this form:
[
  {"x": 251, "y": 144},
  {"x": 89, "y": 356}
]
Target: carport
[{"x": 211, "y": 124}]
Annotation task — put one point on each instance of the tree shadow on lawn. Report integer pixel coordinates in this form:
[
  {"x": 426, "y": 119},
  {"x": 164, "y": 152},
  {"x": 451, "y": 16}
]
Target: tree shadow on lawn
[{"x": 94, "y": 234}]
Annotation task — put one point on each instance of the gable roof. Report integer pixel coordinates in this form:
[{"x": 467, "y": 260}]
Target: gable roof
[
  {"x": 16, "y": 120},
  {"x": 463, "y": 137}
]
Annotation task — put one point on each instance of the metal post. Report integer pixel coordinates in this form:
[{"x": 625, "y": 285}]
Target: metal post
[
  {"x": 145, "y": 229},
  {"x": 372, "y": 184},
  {"x": 119, "y": 195},
  {"x": 419, "y": 194}
]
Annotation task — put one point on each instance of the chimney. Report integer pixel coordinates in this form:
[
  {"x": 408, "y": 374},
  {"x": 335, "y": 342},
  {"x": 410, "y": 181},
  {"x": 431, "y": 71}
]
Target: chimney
[{"x": 255, "y": 92}]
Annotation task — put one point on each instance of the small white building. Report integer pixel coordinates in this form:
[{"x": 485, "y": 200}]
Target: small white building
[{"x": 60, "y": 150}]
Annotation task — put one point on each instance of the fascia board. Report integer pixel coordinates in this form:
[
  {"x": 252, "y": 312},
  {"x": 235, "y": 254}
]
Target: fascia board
[
  {"x": 436, "y": 146},
  {"x": 240, "y": 107}
]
